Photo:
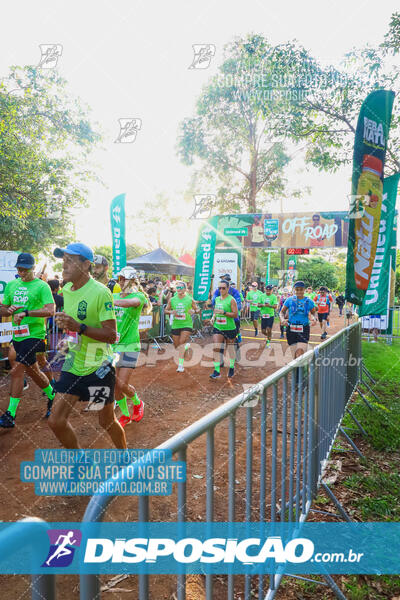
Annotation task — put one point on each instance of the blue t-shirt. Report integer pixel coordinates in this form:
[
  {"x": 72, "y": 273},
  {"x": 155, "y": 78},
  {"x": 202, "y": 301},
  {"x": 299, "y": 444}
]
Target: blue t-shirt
[{"x": 299, "y": 309}]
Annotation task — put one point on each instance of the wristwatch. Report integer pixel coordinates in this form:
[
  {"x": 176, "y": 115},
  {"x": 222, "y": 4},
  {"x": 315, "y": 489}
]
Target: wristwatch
[
  {"x": 224, "y": 312},
  {"x": 26, "y": 313},
  {"x": 82, "y": 329}
]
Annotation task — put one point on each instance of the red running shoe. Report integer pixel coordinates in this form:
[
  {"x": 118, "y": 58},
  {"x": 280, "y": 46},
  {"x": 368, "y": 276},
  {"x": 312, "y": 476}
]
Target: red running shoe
[
  {"x": 138, "y": 411},
  {"x": 124, "y": 420}
]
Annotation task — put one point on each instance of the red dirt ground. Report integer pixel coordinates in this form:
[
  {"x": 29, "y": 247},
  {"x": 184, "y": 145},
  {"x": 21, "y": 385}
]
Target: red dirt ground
[{"x": 172, "y": 402}]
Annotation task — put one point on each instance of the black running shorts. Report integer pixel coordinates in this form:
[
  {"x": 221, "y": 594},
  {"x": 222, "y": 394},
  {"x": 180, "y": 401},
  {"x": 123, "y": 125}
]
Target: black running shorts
[
  {"x": 89, "y": 388},
  {"x": 26, "y": 350},
  {"x": 298, "y": 337}
]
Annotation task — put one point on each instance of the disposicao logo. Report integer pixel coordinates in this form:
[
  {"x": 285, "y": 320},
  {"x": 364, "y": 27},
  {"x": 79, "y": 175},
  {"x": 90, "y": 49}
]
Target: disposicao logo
[
  {"x": 190, "y": 550},
  {"x": 63, "y": 543}
]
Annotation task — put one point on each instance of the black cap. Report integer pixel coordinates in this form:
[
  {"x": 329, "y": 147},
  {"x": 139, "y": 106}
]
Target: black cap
[
  {"x": 25, "y": 260},
  {"x": 299, "y": 284},
  {"x": 268, "y": 287},
  {"x": 227, "y": 277}
]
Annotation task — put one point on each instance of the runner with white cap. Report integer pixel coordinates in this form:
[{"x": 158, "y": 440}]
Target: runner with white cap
[{"x": 128, "y": 307}]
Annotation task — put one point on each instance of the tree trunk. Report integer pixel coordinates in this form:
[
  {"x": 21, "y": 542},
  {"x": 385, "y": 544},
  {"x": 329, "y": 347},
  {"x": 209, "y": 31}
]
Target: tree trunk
[{"x": 252, "y": 252}]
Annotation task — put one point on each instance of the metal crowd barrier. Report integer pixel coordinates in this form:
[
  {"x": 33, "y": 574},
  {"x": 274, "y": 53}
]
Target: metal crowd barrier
[
  {"x": 394, "y": 316},
  {"x": 286, "y": 425},
  {"x": 43, "y": 586}
]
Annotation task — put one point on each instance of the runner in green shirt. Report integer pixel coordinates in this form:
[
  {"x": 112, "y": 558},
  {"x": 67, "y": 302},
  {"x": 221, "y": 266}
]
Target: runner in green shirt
[
  {"x": 182, "y": 307},
  {"x": 255, "y": 297},
  {"x": 128, "y": 307},
  {"x": 29, "y": 300},
  {"x": 309, "y": 292},
  {"x": 269, "y": 304},
  {"x": 87, "y": 374},
  {"x": 225, "y": 313}
]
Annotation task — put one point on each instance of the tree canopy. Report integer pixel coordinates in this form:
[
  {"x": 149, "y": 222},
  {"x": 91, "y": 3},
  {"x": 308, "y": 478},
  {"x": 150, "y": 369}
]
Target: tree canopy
[
  {"x": 45, "y": 142},
  {"x": 315, "y": 271}
]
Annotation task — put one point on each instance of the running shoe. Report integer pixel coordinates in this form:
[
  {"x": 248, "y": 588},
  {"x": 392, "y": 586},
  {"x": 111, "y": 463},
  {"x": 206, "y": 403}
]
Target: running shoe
[
  {"x": 239, "y": 338},
  {"x": 26, "y": 384},
  {"x": 255, "y": 332},
  {"x": 180, "y": 369},
  {"x": 267, "y": 343},
  {"x": 7, "y": 420},
  {"x": 231, "y": 372},
  {"x": 282, "y": 336},
  {"x": 138, "y": 412},
  {"x": 124, "y": 420},
  {"x": 215, "y": 375},
  {"x": 49, "y": 407}
]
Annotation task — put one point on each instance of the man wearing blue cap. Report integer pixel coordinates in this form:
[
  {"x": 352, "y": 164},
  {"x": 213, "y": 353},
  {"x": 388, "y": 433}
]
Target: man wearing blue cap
[
  {"x": 87, "y": 374},
  {"x": 295, "y": 315},
  {"x": 29, "y": 300}
]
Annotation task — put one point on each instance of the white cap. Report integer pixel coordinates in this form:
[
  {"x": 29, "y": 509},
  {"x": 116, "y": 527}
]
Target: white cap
[{"x": 128, "y": 273}]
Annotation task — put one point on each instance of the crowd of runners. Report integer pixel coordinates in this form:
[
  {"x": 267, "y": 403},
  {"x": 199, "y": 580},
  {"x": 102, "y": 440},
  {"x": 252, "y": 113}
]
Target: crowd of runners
[{"x": 97, "y": 320}]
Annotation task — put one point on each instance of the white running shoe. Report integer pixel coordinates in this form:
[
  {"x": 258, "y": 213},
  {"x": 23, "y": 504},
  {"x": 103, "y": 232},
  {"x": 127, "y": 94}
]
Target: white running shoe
[{"x": 180, "y": 369}]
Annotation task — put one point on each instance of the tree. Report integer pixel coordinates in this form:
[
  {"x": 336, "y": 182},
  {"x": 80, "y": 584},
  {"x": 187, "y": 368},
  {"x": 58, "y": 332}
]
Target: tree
[
  {"x": 45, "y": 137},
  {"x": 236, "y": 140},
  {"x": 327, "y": 113},
  {"x": 392, "y": 38},
  {"x": 317, "y": 272}
]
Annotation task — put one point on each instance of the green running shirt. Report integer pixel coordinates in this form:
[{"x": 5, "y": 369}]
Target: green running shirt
[
  {"x": 91, "y": 304},
  {"x": 128, "y": 324},
  {"x": 182, "y": 306},
  {"x": 30, "y": 295},
  {"x": 254, "y": 298},
  {"x": 268, "y": 299},
  {"x": 223, "y": 322}
]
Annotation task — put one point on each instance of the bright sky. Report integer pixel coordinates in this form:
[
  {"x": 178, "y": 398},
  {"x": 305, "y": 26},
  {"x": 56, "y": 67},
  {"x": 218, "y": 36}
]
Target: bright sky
[{"x": 129, "y": 59}]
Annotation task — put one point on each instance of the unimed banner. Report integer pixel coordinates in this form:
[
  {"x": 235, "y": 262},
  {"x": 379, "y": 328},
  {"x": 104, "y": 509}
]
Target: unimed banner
[
  {"x": 376, "y": 299},
  {"x": 367, "y": 190},
  {"x": 204, "y": 259},
  {"x": 117, "y": 216}
]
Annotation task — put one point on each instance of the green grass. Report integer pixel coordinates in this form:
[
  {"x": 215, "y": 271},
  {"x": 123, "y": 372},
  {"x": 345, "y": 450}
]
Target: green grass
[
  {"x": 396, "y": 321},
  {"x": 383, "y": 423},
  {"x": 377, "y": 493}
]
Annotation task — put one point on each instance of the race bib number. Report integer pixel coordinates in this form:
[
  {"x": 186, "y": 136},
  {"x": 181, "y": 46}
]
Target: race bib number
[
  {"x": 180, "y": 316},
  {"x": 296, "y": 328},
  {"x": 322, "y": 303},
  {"x": 21, "y": 330},
  {"x": 72, "y": 336},
  {"x": 221, "y": 320}
]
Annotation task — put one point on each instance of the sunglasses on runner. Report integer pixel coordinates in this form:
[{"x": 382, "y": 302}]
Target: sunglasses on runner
[
  {"x": 180, "y": 287},
  {"x": 222, "y": 287}
]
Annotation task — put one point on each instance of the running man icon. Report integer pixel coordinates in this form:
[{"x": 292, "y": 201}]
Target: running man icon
[{"x": 62, "y": 550}]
